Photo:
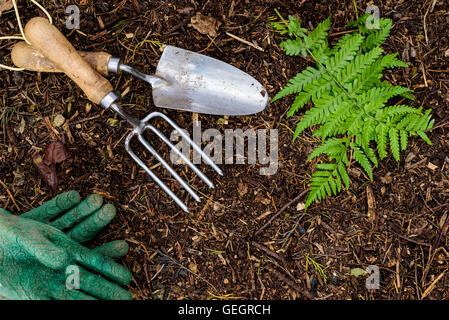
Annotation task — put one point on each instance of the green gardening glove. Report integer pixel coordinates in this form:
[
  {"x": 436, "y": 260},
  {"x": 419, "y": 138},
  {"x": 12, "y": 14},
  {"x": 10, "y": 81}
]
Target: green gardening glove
[{"x": 35, "y": 254}]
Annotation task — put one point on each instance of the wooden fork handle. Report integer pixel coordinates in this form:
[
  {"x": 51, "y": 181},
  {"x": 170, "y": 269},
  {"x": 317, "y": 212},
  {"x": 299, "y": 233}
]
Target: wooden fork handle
[
  {"x": 52, "y": 44},
  {"x": 25, "y": 56}
]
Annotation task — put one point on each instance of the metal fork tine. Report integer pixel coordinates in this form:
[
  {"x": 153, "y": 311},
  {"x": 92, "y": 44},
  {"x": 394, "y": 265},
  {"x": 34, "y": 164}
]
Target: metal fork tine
[
  {"x": 197, "y": 148},
  {"x": 167, "y": 166},
  {"x": 181, "y": 155},
  {"x": 152, "y": 175}
]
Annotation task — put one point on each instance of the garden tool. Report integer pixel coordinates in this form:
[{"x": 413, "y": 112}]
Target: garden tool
[
  {"x": 184, "y": 80},
  {"x": 50, "y": 42},
  {"x": 40, "y": 262}
]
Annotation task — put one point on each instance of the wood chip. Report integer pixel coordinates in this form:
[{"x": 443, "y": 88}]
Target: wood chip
[
  {"x": 431, "y": 166},
  {"x": 432, "y": 286},
  {"x": 371, "y": 204}
]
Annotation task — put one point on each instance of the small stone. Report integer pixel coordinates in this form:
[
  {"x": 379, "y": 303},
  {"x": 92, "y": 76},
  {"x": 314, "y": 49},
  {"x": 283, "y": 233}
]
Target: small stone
[{"x": 300, "y": 206}]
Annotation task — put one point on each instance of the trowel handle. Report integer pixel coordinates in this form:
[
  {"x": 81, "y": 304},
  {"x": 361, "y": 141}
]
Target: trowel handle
[
  {"x": 50, "y": 42},
  {"x": 27, "y": 57}
]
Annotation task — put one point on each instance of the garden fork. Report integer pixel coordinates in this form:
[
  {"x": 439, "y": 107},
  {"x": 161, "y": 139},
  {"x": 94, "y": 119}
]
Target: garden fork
[{"x": 50, "y": 42}]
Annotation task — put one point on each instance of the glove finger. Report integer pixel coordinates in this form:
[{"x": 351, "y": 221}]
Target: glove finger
[
  {"x": 91, "y": 204},
  {"x": 62, "y": 293},
  {"x": 94, "y": 261},
  {"x": 92, "y": 225},
  {"x": 54, "y": 207},
  {"x": 45, "y": 251},
  {"x": 114, "y": 250},
  {"x": 5, "y": 212},
  {"x": 101, "y": 288}
]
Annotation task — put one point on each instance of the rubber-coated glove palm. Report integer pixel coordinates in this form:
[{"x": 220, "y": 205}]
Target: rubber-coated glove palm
[{"x": 34, "y": 255}]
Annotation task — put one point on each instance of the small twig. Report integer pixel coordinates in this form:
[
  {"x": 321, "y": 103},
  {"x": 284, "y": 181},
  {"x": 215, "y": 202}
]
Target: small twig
[
  {"x": 408, "y": 239},
  {"x": 289, "y": 233},
  {"x": 432, "y": 286},
  {"x": 280, "y": 212},
  {"x": 10, "y": 194},
  {"x": 442, "y": 233},
  {"x": 289, "y": 282},
  {"x": 274, "y": 255},
  {"x": 431, "y": 7},
  {"x": 187, "y": 269},
  {"x": 245, "y": 42}
]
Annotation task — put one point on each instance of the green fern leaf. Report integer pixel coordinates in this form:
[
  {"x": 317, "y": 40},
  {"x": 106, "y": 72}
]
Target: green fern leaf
[
  {"x": 344, "y": 174},
  {"x": 294, "y": 27},
  {"x": 296, "y": 84},
  {"x": 377, "y": 38},
  {"x": 404, "y": 139},
  {"x": 424, "y": 136},
  {"x": 394, "y": 143},
  {"x": 319, "y": 35},
  {"x": 382, "y": 140},
  {"x": 294, "y": 47},
  {"x": 333, "y": 148},
  {"x": 362, "y": 159}
]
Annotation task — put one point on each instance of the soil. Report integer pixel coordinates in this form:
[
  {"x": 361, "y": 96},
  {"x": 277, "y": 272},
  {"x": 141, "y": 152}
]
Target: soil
[{"x": 249, "y": 237}]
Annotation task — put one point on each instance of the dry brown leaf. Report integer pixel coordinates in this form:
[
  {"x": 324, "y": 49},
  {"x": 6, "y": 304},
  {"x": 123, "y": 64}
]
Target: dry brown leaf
[
  {"x": 46, "y": 165},
  {"x": 205, "y": 24},
  {"x": 5, "y": 5}
]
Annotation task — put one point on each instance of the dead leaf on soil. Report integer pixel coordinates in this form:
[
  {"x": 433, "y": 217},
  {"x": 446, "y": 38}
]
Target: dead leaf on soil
[
  {"x": 387, "y": 179},
  {"x": 5, "y": 5},
  {"x": 46, "y": 164},
  {"x": 205, "y": 24},
  {"x": 300, "y": 206},
  {"x": 357, "y": 272}
]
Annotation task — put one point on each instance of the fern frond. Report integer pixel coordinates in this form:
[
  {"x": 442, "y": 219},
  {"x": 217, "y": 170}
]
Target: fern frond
[
  {"x": 302, "y": 43},
  {"x": 334, "y": 148},
  {"x": 294, "y": 27},
  {"x": 377, "y": 38},
  {"x": 404, "y": 139},
  {"x": 360, "y": 156},
  {"x": 424, "y": 136},
  {"x": 324, "y": 108},
  {"x": 327, "y": 181},
  {"x": 400, "y": 110},
  {"x": 295, "y": 85},
  {"x": 382, "y": 140},
  {"x": 349, "y": 48},
  {"x": 319, "y": 35},
  {"x": 358, "y": 65},
  {"x": 294, "y": 47},
  {"x": 350, "y": 103},
  {"x": 394, "y": 143}
]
